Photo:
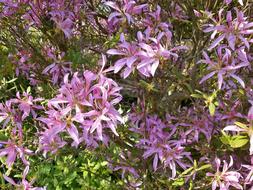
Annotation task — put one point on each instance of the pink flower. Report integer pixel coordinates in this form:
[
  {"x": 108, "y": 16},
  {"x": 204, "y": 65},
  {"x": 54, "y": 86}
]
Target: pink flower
[
  {"x": 126, "y": 10},
  {"x": 233, "y": 30},
  {"x": 64, "y": 21},
  {"x": 59, "y": 68},
  {"x": 158, "y": 143},
  {"x": 27, "y": 104},
  {"x": 143, "y": 56},
  {"x": 6, "y": 113},
  {"x": 225, "y": 65},
  {"x": 129, "y": 51},
  {"x": 224, "y": 179},
  {"x": 24, "y": 184},
  {"x": 85, "y": 104},
  {"x": 12, "y": 150}
]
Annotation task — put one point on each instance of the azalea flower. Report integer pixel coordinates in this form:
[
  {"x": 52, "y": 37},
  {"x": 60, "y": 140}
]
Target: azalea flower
[
  {"x": 59, "y": 68},
  {"x": 225, "y": 179},
  {"x": 59, "y": 121},
  {"x": 84, "y": 104},
  {"x": 143, "y": 56},
  {"x": 249, "y": 177},
  {"x": 126, "y": 10},
  {"x": 158, "y": 144},
  {"x": 24, "y": 184},
  {"x": 129, "y": 52},
  {"x": 12, "y": 150},
  {"x": 6, "y": 113},
  {"x": 225, "y": 65},
  {"x": 233, "y": 30},
  {"x": 27, "y": 104}
]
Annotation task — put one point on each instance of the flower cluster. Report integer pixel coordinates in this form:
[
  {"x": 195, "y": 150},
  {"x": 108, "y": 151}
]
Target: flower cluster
[
  {"x": 37, "y": 13},
  {"x": 152, "y": 47},
  {"x": 158, "y": 142},
  {"x": 85, "y": 104},
  {"x": 186, "y": 69}
]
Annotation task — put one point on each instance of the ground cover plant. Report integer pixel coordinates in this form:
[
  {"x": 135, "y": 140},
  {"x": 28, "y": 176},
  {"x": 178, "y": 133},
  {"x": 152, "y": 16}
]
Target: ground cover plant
[{"x": 126, "y": 94}]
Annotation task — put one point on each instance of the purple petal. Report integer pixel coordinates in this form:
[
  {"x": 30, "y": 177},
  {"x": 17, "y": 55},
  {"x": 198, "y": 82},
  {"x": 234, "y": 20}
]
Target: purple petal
[
  {"x": 220, "y": 80},
  {"x": 217, "y": 41},
  {"x": 73, "y": 132},
  {"x": 207, "y": 77},
  {"x": 155, "y": 162},
  {"x": 115, "y": 52},
  {"x": 238, "y": 79}
]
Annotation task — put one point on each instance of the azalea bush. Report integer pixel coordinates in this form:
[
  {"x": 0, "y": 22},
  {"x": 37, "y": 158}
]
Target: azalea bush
[{"x": 126, "y": 94}]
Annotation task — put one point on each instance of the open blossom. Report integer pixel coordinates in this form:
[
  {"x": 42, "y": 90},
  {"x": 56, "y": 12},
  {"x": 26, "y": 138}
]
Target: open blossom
[
  {"x": 248, "y": 175},
  {"x": 85, "y": 104},
  {"x": 225, "y": 65},
  {"x": 198, "y": 124},
  {"x": 11, "y": 149},
  {"x": 129, "y": 52},
  {"x": 151, "y": 56},
  {"x": 27, "y": 104},
  {"x": 230, "y": 113},
  {"x": 154, "y": 25},
  {"x": 49, "y": 140},
  {"x": 225, "y": 179},
  {"x": 24, "y": 184},
  {"x": 59, "y": 68},
  {"x": 64, "y": 21},
  {"x": 24, "y": 66},
  {"x": 125, "y": 11},
  {"x": 235, "y": 31},
  {"x": 6, "y": 113},
  {"x": 159, "y": 144},
  {"x": 145, "y": 57},
  {"x": 59, "y": 121}
]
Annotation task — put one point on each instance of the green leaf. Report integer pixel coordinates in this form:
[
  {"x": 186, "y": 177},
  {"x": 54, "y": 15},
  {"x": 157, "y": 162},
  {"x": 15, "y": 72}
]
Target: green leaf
[
  {"x": 178, "y": 182},
  {"x": 225, "y": 139},
  {"x": 238, "y": 141},
  {"x": 196, "y": 96},
  {"x": 211, "y": 109},
  {"x": 12, "y": 80},
  {"x": 3, "y": 137},
  {"x": 204, "y": 167},
  {"x": 187, "y": 171},
  {"x": 242, "y": 125}
]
